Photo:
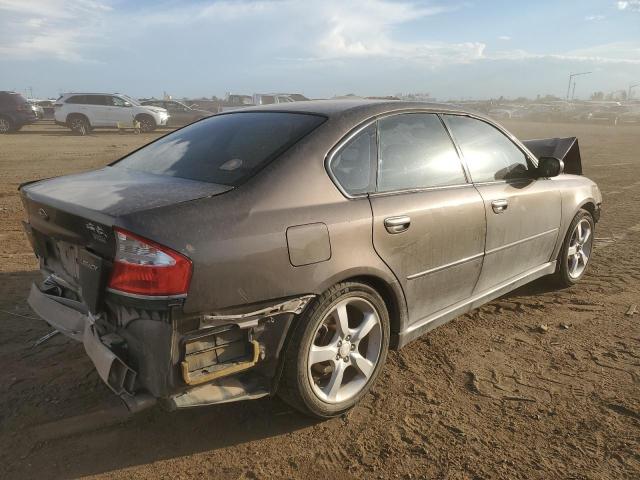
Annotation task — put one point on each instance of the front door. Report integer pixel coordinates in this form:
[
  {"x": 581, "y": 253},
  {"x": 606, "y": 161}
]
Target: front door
[
  {"x": 428, "y": 220},
  {"x": 119, "y": 112},
  {"x": 523, "y": 213}
]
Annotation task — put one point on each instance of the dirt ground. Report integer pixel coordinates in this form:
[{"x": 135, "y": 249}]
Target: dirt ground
[{"x": 489, "y": 395}]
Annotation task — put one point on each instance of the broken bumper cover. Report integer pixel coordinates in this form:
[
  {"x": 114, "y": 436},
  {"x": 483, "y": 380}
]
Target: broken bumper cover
[
  {"x": 221, "y": 358},
  {"x": 71, "y": 319}
]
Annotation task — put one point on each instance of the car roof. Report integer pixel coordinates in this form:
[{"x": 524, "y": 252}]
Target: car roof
[{"x": 360, "y": 107}]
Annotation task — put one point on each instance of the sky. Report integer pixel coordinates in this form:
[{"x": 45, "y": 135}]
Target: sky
[{"x": 199, "y": 48}]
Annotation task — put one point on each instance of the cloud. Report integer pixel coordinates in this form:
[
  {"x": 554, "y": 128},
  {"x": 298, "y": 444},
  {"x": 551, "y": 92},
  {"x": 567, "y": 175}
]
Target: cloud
[
  {"x": 504, "y": 37},
  {"x": 594, "y": 18},
  {"x": 62, "y": 29},
  {"x": 609, "y": 53},
  {"x": 629, "y": 5}
]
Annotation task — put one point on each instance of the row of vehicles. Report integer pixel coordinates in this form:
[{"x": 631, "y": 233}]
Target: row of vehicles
[
  {"x": 83, "y": 112},
  {"x": 612, "y": 113}
]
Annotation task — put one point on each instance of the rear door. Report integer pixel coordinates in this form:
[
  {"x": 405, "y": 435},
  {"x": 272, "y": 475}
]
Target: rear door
[
  {"x": 523, "y": 213},
  {"x": 97, "y": 110},
  {"x": 428, "y": 220}
]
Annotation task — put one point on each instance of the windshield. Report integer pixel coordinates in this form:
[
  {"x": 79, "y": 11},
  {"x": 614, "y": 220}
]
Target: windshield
[
  {"x": 226, "y": 149},
  {"x": 132, "y": 101}
]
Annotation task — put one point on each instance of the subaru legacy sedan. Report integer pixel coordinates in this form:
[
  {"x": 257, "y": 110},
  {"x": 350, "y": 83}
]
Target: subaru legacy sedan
[{"x": 285, "y": 249}]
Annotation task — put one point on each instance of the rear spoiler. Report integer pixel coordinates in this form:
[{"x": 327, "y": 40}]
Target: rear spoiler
[{"x": 565, "y": 149}]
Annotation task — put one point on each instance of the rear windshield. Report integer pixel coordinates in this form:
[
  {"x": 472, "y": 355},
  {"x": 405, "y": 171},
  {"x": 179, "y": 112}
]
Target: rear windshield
[{"x": 226, "y": 149}]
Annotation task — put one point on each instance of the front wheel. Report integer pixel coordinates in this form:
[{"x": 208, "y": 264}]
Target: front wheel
[
  {"x": 79, "y": 125},
  {"x": 147, "y": 123},
  {"x": 336, "y": 351},
  {"x": 576, "y": 250}
]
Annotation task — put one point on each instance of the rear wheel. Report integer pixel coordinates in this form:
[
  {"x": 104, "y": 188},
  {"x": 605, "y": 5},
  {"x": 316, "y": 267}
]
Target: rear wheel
[
  {"x": 576, "y": 250},
  {"x": 147, "y": 123},
  {"x": 79, "y": 124},
  {"x": 336, "y": 351},
  {"x": 6, "y": 125}
]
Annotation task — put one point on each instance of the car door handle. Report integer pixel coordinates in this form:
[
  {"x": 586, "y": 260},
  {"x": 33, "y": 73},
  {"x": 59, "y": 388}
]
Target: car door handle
[
  {"x": 397, "y": 224},
  {"x": 499, "y": 206}
]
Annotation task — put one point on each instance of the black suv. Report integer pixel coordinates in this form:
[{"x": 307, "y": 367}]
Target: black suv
[{"x": 15, "y": 112}]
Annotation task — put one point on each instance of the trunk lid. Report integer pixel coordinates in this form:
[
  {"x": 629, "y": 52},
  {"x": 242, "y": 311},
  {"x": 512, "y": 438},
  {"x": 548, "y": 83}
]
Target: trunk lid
[{"x": 71, "y": 218}]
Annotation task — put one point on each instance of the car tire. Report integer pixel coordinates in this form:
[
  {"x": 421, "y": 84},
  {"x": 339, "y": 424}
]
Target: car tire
[
  {"x": 147, "y": 123},
  {"x": 6, "y": 125},
  {"x": 576, "y": 251},
  {"x": 79, "y": 124},
  {"x": 349, "y": 325}
]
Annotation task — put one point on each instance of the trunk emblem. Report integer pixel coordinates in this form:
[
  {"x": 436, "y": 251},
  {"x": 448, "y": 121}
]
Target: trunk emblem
[{"x": 43, "y": 213}]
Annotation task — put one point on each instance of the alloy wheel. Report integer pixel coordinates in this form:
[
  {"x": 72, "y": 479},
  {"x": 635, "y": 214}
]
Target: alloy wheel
[
  {"x": 579, "y": 251},
  {"x": 345, "y": 350},
  {"x": 5, "y": 126}
]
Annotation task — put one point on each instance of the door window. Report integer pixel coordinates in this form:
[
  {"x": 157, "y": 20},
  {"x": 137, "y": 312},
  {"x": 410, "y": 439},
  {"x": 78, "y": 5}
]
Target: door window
[
  {"x": 115, "y": 101},
  {"x": 354, "y": 164},
  {"x": 415, "y": 151},
  {"x": 489, "y": 153}
]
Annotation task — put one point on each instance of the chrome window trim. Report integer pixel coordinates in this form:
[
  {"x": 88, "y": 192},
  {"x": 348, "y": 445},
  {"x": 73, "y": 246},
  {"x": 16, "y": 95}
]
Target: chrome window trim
[
  {"x": 445, "y": 266},
  {"x": 530, "y": 157},
  {"x": 419, "y": 190},
  {"x": 374, "y": 119}
]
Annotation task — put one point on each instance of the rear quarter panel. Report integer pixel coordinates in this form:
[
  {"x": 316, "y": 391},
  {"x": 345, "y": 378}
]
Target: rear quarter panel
[{"x": 237, "y": 241}]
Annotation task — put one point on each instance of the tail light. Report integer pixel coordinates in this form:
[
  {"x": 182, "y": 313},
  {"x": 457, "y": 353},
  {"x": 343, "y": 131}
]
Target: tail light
[{"x": 143, "y": 267}]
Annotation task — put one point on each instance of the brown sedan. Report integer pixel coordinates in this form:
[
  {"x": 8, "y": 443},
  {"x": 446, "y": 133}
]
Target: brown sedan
[{"x": 285, "y": 249}]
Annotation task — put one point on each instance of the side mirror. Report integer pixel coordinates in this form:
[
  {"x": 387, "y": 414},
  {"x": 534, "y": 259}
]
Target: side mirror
[{"x": 549, "y": 167}]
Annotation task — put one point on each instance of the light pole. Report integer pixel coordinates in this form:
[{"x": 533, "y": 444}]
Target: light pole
[
  {"x": 631, "y": 87},
  {"x": 571, "y": 75}
]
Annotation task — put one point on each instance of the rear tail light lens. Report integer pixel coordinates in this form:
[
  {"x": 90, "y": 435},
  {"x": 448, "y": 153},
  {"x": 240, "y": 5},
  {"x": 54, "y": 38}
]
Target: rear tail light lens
[{"x": 143, "y": 267}]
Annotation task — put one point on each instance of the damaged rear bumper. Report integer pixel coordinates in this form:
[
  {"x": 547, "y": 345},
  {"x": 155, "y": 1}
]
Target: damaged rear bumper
[
  {"x": 73, "y": 320},
  {"x": 216, "y": 359}
]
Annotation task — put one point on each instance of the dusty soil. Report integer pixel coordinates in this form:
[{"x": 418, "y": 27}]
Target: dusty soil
[{"x": 489, "y": 395}]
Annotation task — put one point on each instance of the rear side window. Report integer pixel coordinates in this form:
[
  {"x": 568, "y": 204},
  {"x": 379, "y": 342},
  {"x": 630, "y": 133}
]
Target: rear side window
[
  {"x": 415, "y": 151},
  {"x": 489, "y": 153},
  {"x": 76, "y": 99},
  {"x": 226, "y": 149},
  {"x": 353, "y": 166}
]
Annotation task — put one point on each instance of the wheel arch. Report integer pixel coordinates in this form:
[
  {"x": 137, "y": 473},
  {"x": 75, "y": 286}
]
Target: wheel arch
[{"x": 389, "y": 289}]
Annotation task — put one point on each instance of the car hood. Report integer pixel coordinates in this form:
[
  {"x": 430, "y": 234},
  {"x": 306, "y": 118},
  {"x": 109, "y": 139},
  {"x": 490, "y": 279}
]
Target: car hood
[{"x": 154, "y": 109}]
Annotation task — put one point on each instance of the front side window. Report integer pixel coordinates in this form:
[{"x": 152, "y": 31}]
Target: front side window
[
  {"x": 226, "y": 149},
  {"x": 489, "y": 153},
  {"x": 353, "y": 165},
  {"x": 415, "y": 151},
  {"x": 116, "y": 102}
]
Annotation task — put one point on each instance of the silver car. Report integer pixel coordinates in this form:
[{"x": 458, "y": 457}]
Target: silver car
[{"x": 285, "y": 249}]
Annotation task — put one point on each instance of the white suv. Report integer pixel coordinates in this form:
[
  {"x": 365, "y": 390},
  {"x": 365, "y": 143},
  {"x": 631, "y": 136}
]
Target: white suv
[{"x": 82, "y": 112}]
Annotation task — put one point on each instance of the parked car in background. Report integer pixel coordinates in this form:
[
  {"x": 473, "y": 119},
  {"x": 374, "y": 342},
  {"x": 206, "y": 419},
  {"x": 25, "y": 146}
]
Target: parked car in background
[
  {"x": 235, "y": 101},
  {"x": 271, "y": 98},
  {"x": 47, "y": 108},
  {"x": 37, "y": 109},
  {"x": 179, "y": 113},
  {"x": 286, "y": 248},
  {"x": 15, "y": 112},
  {"x": 82, "y": 112}
]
